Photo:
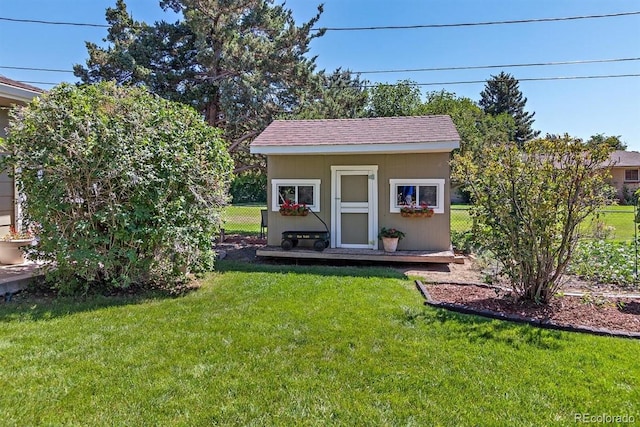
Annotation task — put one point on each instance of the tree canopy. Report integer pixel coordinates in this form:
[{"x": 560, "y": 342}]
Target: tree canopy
[
  {"x": 475, "y": 127},
  {"x": 389, "y": 100},
  {"x": 339, "y": 95},
  {"x": 502, "y": 95},
  {"x": 240, "y": 63},
  {"x": 614, "y": 142}
]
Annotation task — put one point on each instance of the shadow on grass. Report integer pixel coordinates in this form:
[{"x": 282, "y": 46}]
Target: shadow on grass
[
  {"x": 324, "y": 269},
  {"x": 480, "y": 330},
  {"x": 34, "y": 303}
]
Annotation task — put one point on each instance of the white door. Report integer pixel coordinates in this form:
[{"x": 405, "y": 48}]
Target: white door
[{"x": 354, "y": 207}]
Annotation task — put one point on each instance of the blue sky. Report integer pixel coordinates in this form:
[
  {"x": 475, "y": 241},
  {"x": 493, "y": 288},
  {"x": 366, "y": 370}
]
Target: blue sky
[{"x": 578, "y": 107}]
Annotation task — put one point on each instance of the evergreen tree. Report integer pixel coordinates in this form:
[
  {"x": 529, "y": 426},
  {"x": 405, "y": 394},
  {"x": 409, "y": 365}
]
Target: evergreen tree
[
  {"x": 339, "y": 95},
  {"x": 502, "y": 95},
  {"x": 240, "y": 63}
]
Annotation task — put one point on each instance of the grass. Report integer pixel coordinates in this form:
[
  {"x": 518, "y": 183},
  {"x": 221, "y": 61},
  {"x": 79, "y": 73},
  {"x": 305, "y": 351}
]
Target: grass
[
  {"x": 242, "y": 219},
  {"x": 460, "y": 218},
  {"x": 245, "y": 220},
  {"x": 620, "y": 219},
  {"x": 282, "y": 345}
]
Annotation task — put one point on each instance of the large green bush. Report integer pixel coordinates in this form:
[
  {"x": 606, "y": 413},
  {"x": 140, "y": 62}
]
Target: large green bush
[{"x": 123, "y": 186}]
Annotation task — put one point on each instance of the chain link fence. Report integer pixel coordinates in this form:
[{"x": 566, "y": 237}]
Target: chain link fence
[
  {"x": 615, "y": 223},
  {"x": 245, "y": 219}
]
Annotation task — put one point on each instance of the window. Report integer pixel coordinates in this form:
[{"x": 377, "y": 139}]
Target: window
[
  {"x": 631, "y": 175},
  {"x": 416, "y": 192},
  {"x": 302, "y": 191}
]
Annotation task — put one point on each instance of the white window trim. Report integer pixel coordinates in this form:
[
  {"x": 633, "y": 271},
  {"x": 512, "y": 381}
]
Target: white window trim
[
  {"x": 275, "y": 203},
  {"x": 439, "y": 183}
]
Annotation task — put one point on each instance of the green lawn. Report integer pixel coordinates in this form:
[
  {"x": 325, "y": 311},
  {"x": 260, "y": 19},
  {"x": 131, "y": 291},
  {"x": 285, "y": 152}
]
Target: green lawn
[
  {"x": 282, "y": 345},
  {"x": 620, "y": 218},
  {"x": 240, "y": 219}
]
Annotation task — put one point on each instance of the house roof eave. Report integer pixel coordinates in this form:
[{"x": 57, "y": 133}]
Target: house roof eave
[
  {"x": 325, "y": 149},
  {"x": 16, "y": 93}
]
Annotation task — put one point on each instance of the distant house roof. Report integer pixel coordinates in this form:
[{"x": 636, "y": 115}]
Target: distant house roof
[
  {"x": 12, "y": 91},
  {"x": 623, "y": 159},
  {"x": 415, "y": 134}
]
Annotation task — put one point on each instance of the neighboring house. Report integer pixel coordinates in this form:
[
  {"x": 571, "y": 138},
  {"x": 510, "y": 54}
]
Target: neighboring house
[
  {"x": 357, "y": 174},
  {"x": 625, "y": 172},
  {"x": 11, "y": 93}
]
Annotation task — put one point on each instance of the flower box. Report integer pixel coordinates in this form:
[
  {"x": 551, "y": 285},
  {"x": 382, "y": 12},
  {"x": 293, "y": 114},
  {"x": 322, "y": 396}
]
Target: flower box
[
  {"x": 289, "y": 212},
  {"x": 416, "y": 212}
]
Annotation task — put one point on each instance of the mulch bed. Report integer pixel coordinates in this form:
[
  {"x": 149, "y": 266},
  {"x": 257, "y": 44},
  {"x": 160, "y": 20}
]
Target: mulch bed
[{"x": 589, "y": 313}]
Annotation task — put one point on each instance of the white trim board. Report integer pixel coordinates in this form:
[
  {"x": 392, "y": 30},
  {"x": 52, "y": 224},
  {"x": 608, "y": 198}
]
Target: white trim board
[{"x": 414, "y": 147}]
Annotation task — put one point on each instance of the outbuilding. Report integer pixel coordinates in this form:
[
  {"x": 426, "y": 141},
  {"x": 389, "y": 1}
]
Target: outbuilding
[{"x": 359, "y": 176}]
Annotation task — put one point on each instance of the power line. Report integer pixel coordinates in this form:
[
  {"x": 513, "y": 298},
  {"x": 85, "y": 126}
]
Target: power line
[
  {"x": 54, "y": 70},
  {"x": 408, "y": 70},
  {"x": 387, "y": 27},
  {"x": 532, "y": 79},
  {"x": 37, "y": 21},
  {"x": 39, "y": 83},
  {"x": 477, "y": 67},
  {"x": 474, "y": 24}
]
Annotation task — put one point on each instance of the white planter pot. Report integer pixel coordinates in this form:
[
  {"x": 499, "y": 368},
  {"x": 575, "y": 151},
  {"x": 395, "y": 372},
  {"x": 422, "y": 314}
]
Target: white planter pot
[
  {"x": 11, "y": 251},
  {"x": 390, "y": 244}
]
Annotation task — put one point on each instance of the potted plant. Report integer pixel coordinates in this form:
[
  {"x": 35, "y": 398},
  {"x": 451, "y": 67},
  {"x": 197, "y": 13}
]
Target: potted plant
[
  {"x": 293, "y": 209},
  {"x": 390, "y": 238},
  {"x": 11, "y": 246}
]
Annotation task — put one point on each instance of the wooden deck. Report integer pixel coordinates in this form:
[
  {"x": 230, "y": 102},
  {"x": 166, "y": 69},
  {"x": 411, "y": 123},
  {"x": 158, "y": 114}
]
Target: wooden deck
[{"x": 422, "y": 257}]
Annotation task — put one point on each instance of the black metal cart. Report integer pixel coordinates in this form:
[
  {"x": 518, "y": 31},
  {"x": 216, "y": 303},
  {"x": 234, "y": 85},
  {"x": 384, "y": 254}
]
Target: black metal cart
[{"x": 321, "y": 239}]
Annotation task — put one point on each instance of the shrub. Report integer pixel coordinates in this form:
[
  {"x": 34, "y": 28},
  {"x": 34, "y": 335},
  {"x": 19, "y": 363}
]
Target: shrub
[
  {"x": 463, "y": 241},
  {"x": 529, "y": 203},
  {"x": 124, "y": 187},
  {"x": 605, "y": 262},
  {"x": 249, "y": 187}
]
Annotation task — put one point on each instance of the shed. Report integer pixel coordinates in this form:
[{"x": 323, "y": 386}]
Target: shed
[{"x": 357, "y": 175}]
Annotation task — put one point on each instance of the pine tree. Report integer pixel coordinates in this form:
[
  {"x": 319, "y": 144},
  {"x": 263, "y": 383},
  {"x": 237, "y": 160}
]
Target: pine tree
[
  {"x": 339, "y": 95},
  {"x": 240, "y": 63},
  {"x": 502, "y": 95}
]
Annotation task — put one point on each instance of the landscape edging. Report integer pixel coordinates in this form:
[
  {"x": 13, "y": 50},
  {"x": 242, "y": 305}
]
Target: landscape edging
[{"x": 546, "y": 324}]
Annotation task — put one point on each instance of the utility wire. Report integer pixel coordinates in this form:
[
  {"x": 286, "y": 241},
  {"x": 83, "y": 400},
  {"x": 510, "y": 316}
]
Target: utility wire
[
  {"x": 388, "y": 27},
  {"x": 37, "y": 21},
  {"x": 478, "y": 67},
  {"x": 532, "y": 79},
  {"x": 474, "y": 24},
  {"x": 54, "y": 70},
  {"x": 408, "y": 70}
]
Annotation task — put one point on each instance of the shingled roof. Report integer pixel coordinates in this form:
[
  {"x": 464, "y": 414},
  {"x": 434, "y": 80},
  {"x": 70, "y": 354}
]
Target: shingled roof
[
  {"x": 623, "y": 159},
  {"x": 9, "y": 82},
  {"x": 370, "y": 135}
]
